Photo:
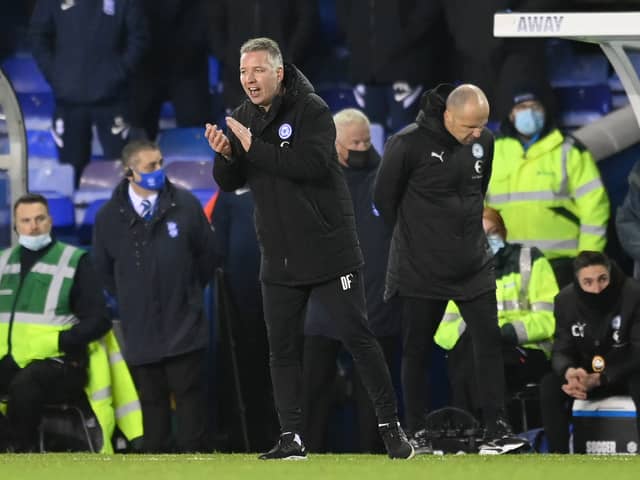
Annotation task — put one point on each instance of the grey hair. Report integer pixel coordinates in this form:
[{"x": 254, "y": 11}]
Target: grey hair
[
  {"x": 131, "y": 150},
  {"x": 348, "y": 116},
  {"x": 264, "y": 44},
  {"x": 464, "y": 94}
]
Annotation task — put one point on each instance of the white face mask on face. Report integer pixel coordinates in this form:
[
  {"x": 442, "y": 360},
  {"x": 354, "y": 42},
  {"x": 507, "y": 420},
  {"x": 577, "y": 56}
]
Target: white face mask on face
[{"x": 34, "y": 242}]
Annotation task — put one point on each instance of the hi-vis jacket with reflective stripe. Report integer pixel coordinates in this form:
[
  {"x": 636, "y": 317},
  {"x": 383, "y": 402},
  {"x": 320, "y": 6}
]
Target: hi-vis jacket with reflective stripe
[
  {"x": 525, "y": 289},
  {"x": 111, "y": 391},
  {"x": 32, "y": 315},
  {"x": 34, "y": 312},
  {"x": 550, "y": 196}
]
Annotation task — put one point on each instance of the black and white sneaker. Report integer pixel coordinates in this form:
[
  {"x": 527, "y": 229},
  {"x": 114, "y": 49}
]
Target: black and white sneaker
[
  {"x": 289, "y": 447},
  {"x": 396, "y": 441},
  {"x": 421, "y": 442},
  {"x": 503, "y": 445},
  {"x": 499, "y": 439}
]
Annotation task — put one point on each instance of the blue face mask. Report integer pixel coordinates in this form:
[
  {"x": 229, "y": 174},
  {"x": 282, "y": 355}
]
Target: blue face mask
[
  {"x": 495, "y": 243},
  {"x": 34, "y": 242},
  {"x": 529, "y": 122},
  {"x": 151, "y": 181}
]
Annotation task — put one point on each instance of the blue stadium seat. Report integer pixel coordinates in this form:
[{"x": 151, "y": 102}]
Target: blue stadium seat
[
  {"x": 4, "y": 143},
  {"x": 179, "y": 144},
  {"x": 85, "y": 227},
  {"x": 49, "y": 175},
  {"x": 191, "y": 174},
  {"x": 60, "y": 208},
  {"x": 204, "y": 195},
  {"x": 573, "y": 70},
  {"x": 97, "y": 182},
  {"x": 62, "y": 213},
  {"x": 214, "y": 73},
  {"x": 338, "y": 97},
  {"x": 24, "y": 74},
  {"x": 40, "y": 144},
  {"x": 37, "y": 109},
  {"x": 102, "y": 174},
  {"x": 167, "y": 118},
  {"x": 583, "y": 105},
  {"x": 614, "y": 81},
  {"x": 377, "y": 137}
]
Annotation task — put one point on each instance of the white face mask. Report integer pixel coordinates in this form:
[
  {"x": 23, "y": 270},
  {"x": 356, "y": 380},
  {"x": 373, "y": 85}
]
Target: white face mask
[{"x": 34, "y": 242}]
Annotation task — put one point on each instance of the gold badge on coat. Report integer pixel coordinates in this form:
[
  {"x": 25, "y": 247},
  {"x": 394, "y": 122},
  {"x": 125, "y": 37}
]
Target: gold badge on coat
[{"x": 597, "y": 364}]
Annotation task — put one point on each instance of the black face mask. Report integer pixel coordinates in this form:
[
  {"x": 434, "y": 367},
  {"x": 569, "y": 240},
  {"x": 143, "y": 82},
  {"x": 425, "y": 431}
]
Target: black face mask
[
  {"x": 607, "y": 299},
  {"x": 362, "y": 158}
]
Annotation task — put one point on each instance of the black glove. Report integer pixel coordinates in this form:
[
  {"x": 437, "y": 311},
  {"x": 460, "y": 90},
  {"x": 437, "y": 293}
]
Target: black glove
[{"x": 508, "y": 334}]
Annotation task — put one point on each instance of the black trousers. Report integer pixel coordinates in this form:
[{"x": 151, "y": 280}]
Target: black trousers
[
  {"x": 29, "y": 389},
  {"x": 72, "y": 132},
  {"x": 420, "y": 320},
  {"x": 284, "y": 309},
  {"x": 181, "y": 376},
  {"x": 318, "y": 385},
  {"x": 556, "y": 406},
  {"x": 521, "y": 366}
]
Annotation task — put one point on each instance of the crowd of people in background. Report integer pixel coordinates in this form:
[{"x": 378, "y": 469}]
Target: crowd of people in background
[{"x": 490, "y": 248}]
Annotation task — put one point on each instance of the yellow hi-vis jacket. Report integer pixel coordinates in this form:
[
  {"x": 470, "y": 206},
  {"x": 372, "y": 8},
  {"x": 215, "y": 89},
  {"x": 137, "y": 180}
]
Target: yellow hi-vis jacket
[
  {"x": 34, "y": 313},
  {"x": 550, "y": 196},
  {"x": 525, "y": 290}
]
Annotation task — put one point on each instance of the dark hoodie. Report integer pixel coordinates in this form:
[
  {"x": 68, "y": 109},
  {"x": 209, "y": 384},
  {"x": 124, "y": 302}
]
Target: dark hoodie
[
  {"x": 431, "y": 188},
  {"x": 303, "y": 212},
  {"x": 606, "y": 324}
]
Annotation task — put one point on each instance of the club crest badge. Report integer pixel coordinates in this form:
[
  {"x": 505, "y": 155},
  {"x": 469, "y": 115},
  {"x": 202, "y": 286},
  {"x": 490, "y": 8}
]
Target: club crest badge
[
  {"x": 477, "y": 151},
  {"x": 285, "y": 131},
  {"x": 172, "y": 228},
  {"x": 616, "y": 322}
]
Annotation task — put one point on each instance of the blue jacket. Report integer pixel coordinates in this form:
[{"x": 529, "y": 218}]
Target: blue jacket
[{"x": 86, "y": 49}]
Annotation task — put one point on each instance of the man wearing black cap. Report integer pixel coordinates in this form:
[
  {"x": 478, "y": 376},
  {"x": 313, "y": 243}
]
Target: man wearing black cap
[
  {"x": 547, "y": 187},
  {"x": 597, "y": 346}
]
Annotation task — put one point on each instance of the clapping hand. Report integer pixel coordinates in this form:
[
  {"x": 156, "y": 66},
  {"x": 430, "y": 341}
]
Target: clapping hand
[
  {"x": 241, "y": 132},
  {"x": 218, "y": 141}
]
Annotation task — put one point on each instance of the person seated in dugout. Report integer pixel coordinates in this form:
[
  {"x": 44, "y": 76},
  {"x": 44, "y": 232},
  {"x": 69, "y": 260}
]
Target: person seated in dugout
[
  {"x": 525, "y": 289},
  {"x": 56, "y": 342},
  {"x": 596, "y": 352}
]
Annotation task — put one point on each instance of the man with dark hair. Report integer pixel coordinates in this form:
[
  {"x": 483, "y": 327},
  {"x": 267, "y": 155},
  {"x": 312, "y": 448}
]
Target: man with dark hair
[
  {"x": 282, "y": 144},
  {"x": 431, "y": 187},
  {"x": 155, "y": 251},
  {"x": 596, "y": 352},
  {"x": 51, "y": 308}
]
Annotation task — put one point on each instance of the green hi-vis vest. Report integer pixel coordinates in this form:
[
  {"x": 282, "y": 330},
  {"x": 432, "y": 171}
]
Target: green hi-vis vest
[
  {"x": 550, "y": 196},
  {"x": 525, "y": 300},
  {"x": 33, "y": 314}
]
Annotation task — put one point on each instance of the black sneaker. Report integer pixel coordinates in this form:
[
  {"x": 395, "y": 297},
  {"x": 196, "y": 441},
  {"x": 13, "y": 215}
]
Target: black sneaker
[
  {"x": 499, "y": 439},
  {"x": 396, "y": 441},
  {"x": 289, "y": 447},
  {"x": 421, "y": 442}
]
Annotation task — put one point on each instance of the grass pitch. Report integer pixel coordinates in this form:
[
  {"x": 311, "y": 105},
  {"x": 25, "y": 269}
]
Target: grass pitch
[{"x": 366, "y": 467}]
